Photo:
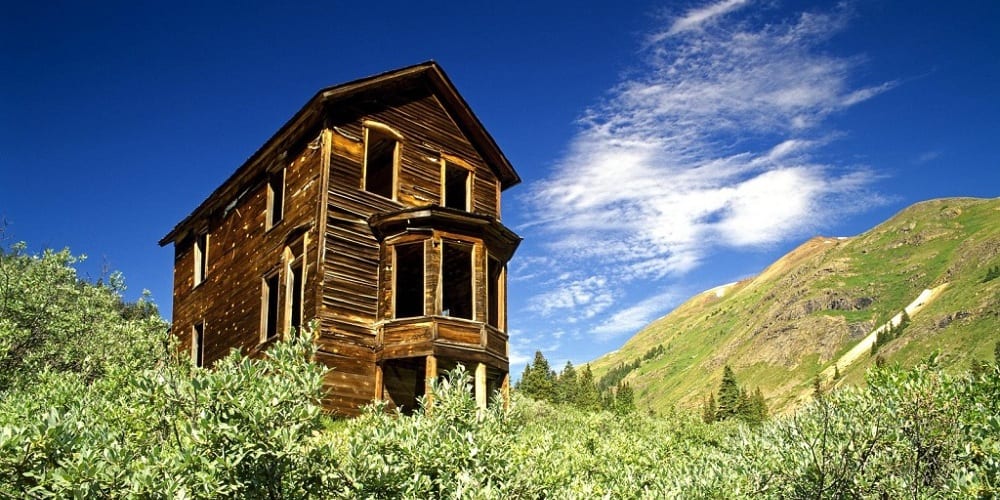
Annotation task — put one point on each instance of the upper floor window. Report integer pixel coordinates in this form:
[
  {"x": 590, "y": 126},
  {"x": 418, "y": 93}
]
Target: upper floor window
[
  {"x": 456, "y": 186},
  {"x": 275, "y": 198},
  {"x": 200, "y": 258},
  {"x": 381, "y": 163},
  {"x": 295, "y": 285}
]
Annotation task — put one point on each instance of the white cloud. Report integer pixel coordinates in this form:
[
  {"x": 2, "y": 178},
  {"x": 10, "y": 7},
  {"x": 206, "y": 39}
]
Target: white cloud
[
  {"x": 712, "y": 143},
  {"x": 695, "y": 18},
  {"x": 631, "y": 319}
]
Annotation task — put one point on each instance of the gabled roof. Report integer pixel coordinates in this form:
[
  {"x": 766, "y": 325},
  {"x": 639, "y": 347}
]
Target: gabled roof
[{"x": 427, "y": 73}]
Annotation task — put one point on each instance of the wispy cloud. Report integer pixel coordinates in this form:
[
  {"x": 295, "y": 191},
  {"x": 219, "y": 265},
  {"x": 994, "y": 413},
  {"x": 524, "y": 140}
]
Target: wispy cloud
[
  {"x": 711, "y": 143},
  {"x": 631, "y": 319},
  {"x": 695, "y": 18}
]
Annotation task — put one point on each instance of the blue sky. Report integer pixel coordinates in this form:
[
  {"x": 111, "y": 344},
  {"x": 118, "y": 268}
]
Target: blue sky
[{"x": 665, "y": 148}]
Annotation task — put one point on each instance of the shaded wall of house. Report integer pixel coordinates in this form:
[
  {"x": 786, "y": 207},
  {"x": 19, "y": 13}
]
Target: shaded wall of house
[{"x": 242, "y": 250}]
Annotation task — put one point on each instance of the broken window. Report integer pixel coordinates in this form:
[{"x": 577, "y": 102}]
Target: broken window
[
  {"x": 269, "y": 305},
  {"x": 275, "y": 198},
  {"x": 295, "y": 290},
  {"x": 409, "y": 286},
  {"x": 200, "y": 258},
  {"x": 494, "y": 272},
  {"x": 456, "y": 280},
  {"x": 381, "y": 156},
  {"x": 198, "y": 344},
  {"x": 457, "y": 180}
]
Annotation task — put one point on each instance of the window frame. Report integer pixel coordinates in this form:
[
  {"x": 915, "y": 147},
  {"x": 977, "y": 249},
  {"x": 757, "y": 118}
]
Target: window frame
[
  {"x": 266, "y": 307},
  {"x": 395, "y": 278},
  {"x": 198, "y": 344},
  {"x": 276, "y": 198},
  {"x": 470, "y": 173},
  {"x": 383, "y": 130},
  {"x": 200, "y": 251},
  {"x": 498, "y": 286},
  {"x": 442, "y": 285},
  {"x": 295, "y": 258}
]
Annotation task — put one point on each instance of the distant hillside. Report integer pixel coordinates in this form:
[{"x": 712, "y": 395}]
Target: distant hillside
[{"x": 807, "y": 311}]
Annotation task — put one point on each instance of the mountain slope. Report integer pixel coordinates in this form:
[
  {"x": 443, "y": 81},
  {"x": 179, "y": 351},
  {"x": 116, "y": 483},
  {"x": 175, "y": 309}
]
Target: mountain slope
[{"x": 808, "y": 309}]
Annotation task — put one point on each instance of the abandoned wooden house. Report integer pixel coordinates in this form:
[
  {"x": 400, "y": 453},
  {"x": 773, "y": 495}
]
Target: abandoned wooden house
[{"x": 374, "y": 210}]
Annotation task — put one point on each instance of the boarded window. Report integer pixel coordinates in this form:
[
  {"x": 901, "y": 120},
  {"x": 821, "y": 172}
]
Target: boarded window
[
  {"x": 381, "y": 155},
  {"x": 456, "y": 275},
  {"x": 295, "y": 289},
  {"x": 493, "y": 274},
  {"x": 269, "y": 307},
  {"x": 198, "y": 344},
  {"x": 456, "y": 186},
  {"x": 409, "y": 286},
  {"x": 275, "y": 198},
  {"x": 200, "y": 258}
]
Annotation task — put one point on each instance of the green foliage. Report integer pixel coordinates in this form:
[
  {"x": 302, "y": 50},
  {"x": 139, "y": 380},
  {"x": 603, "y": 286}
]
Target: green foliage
[
  {"x": 992, "y": 274},
  {"x": 538, "y": 380},
  {"x": 50, "y": 320},
  {"x": 252, "y": 428}
]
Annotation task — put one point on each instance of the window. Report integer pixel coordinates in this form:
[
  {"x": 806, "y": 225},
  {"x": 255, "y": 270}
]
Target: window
[
  {"x": 198, "y": 344},
  {"x": 295, "y": 290},
  {"x": 381, "y": 160},
  {"x": 455, "y": 187},
  {"x": 456, "y": 280},
  {"x": 494, "y": 274},
  {"x": 200, "y": 258},
  {"x": 275, "y": 198},
  {"x": 269, "y": 307},
  {"x": 409, "y": 273}
]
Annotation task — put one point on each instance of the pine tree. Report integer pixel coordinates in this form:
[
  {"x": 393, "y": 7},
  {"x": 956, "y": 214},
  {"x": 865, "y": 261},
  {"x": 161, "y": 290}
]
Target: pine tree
[
  {"x": 539, "y": 380},
  {"x": 708, "y": 410},
  {"x": 836, "y": 372},
  {"x": 624, "y": 399},
  {"x": 567, "y": 385},
  {"x": 817, "y": 387},
  {"x": 729, "y": 395},
  {"x": 996, "y": 353},
  {"x": 588, "y": 398},
  {"x": 759, "y": 405}
]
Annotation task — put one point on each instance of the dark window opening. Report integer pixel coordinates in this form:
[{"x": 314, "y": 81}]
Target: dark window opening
[
  {"x": 270, "y": 306},
  {"x": 409, "y": 273},
  {"x": 380, "y": 163},
  {"x": 275, "y": 198},
  {"x": 198, "y": 344},
  {"x": 200, "y": 258},
  {"x": 456, "y": 187},
  {"x": 296, "y": 302},
  {"x": 493, "y": 270},
  {"x": 457, "y": 281}
]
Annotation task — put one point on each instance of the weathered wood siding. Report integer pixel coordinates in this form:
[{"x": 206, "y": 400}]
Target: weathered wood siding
[
  {"x": 351, "y": 306},
  {"x": 240, "y": 253}
]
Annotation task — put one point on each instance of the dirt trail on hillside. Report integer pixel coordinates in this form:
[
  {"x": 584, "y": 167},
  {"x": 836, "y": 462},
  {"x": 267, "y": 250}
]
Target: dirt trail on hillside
[{"x": 864, "y": 347}]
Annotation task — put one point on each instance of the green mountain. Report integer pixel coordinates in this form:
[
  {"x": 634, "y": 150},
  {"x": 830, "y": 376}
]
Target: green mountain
[{"x": 813, "y": 312}]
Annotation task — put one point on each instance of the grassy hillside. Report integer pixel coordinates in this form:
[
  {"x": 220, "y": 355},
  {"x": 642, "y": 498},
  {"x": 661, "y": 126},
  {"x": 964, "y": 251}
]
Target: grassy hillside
[{"x": 783, "y": 327}]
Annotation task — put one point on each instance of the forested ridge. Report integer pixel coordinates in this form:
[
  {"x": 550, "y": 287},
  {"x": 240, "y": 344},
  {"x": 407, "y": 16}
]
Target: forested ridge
[{"x": 95, "y": 402}]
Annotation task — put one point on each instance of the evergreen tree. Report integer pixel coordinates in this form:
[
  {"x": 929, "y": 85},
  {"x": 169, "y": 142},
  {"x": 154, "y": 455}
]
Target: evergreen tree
[
  {"x": 729, "y": 395},
  {"x": 836, "y": 372},
  {"x": 567, "y": 385},
  {"x": 817, "y": 387},
  {"x": 539, "y": 380},
  {"x": 996, "y": 353},
  {"x": 708, "y": 410},
  {"x": 588, "y": 398},
  {"x": 759, "y": 407},
  {"x": 624, "y": 399}
]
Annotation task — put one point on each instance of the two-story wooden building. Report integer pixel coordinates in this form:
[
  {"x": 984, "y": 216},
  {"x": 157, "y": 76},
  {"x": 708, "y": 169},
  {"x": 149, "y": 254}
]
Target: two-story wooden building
[{"x": 376, "y": 211}]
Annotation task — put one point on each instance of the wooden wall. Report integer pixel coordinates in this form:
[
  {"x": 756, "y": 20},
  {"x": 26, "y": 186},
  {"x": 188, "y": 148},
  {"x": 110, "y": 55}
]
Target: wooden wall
[
  {"x": 240, "y": 252},
  {"x": 350, "y": 307}
]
